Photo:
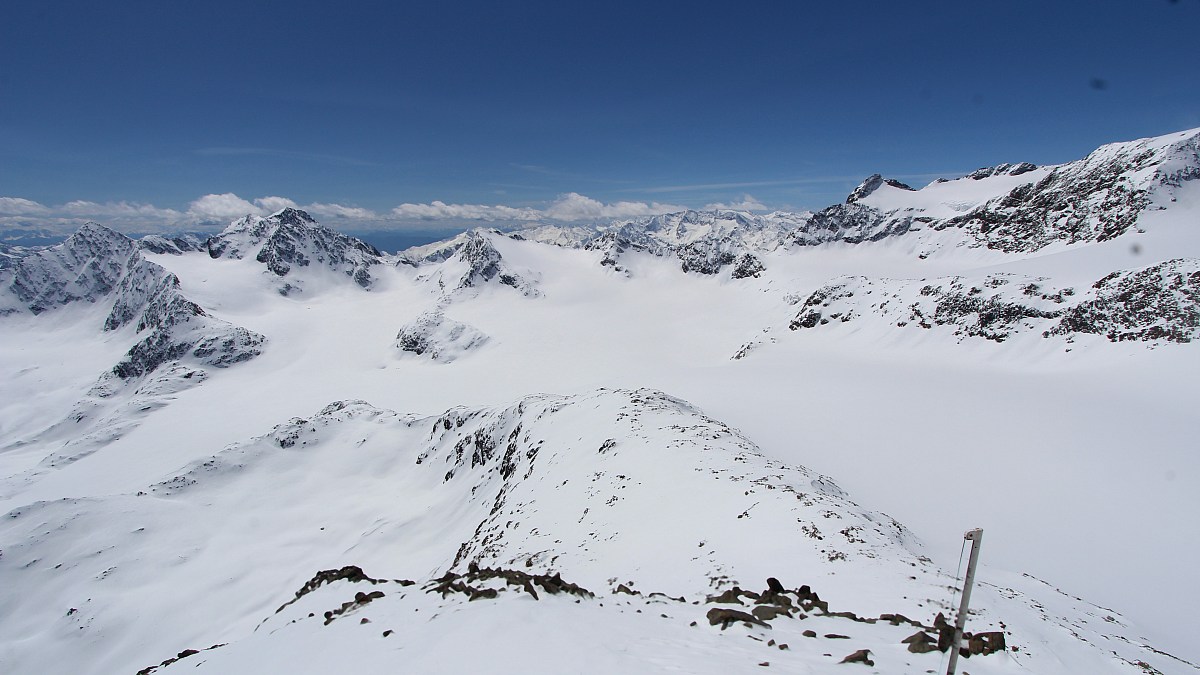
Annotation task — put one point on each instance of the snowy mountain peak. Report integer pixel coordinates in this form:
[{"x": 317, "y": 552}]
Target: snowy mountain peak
[
  {"x": 873, "y": 183},
  {"x": 291, "y": 216},
  {"x": 291, "y": 239},
  {"x": 468, "y": 262}
]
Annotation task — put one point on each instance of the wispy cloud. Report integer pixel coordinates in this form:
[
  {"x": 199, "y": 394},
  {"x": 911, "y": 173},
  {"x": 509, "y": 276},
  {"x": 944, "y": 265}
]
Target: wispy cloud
[
  {"x": 283, "y": 154},
  {"x": 747, "y": 184},
  {"x": 747, "y": 203}
]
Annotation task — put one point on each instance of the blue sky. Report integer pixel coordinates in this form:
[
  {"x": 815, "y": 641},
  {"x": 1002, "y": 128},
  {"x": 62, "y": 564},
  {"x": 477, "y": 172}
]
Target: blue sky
[{"x": 145, "y": 114}]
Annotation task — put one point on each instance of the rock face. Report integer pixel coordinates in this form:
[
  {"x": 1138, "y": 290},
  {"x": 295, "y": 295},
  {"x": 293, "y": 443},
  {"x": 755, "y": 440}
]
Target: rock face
[
  {"x": 1160, "y": 303},
  {"x": 1095, "y": 199},
  {"x": 1002, "y": 170},
  {"x": 172, "y": 245},
  {"x": 853, "y": 223},
  {"x": 871, "y": 184},
  {"x": 290, "y": 240},
  {"x": 436, "y": 337},
  {"x": 1156, "y": 303},
  {"x": 97, "y": 265},
  {"x": 84, "y": 268}
]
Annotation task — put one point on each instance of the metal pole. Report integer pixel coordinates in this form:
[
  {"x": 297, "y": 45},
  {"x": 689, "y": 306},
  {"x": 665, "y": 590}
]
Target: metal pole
[{"x": 976, "y": 538}]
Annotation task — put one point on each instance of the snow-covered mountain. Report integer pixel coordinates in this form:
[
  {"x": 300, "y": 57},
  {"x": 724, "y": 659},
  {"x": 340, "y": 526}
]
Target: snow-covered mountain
[
  {"x": 290, "y": 240},
  {"x": 466, "y": 263},
  {"x": 633, "y": 498},
  {"x": 704, "y": 242},
  {"x": 583, "y": 479}
]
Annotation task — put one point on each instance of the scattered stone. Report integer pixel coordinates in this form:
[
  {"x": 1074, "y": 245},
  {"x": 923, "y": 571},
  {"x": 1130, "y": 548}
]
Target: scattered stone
[
  {"x": 860, "y": 656},
  {"x": 920, "y": 643},
  {"x": 724, "y": 617}
]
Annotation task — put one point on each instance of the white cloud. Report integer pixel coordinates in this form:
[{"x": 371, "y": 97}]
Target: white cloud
[
  {"x": 222, "y": 206},
  {"x": 218, "y": 209},
  {"x": 568, "y": 207},
  {"x": 747, "y": 203},
  {"x": 341, "y": 211},
  {"x": 16, "y": 206},
  {"x": 87, "y": 209},
  {"x": 270, "y": 205},
  {"x": 438, "y": 210},
  {"x": 574, "y": 206}
]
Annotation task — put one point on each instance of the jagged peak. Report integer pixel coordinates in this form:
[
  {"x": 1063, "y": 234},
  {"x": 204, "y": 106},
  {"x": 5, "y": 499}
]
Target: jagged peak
[
  {"x": 873, "y": 183},
  {"x": 94, "y": 232},
  {"x": 293, "y": 216},
  {"x": 1002, "y": 170}
]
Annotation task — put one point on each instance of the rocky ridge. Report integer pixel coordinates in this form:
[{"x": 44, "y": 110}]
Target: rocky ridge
[
  {"x": 1154, "y": 304},
  {"x": 618, "y": 510},
  {"x": 704, "y": 242},
  {"x": 174, "y": 339}
]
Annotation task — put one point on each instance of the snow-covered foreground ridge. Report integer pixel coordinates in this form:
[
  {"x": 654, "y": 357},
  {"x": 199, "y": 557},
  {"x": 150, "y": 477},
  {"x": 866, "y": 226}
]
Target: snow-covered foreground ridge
[
  {"x": 1013, "y": 349},
  {"x": 657, "y": 511}
]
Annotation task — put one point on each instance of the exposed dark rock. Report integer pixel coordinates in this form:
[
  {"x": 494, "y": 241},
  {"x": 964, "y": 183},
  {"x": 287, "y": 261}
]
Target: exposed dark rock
[
  {"x": 351, "y": 573},
  {"x": 747, "y": 265},
  {"x": 871, "y": 184},
  {"x": 452, "y": 582},
  {"x": 170, "y": 245},
  {"x": 724, "y": 616},
  {"x": 861, "y": 656},
  {"x": 1156, "y": 303},
  {"x": 1002, "y": 170},
  {"x": 1160, "y": 303}
]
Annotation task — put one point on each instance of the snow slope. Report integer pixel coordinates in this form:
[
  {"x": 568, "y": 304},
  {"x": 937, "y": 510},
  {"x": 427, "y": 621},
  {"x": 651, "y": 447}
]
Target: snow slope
[{"x": 1067, "y": 449}]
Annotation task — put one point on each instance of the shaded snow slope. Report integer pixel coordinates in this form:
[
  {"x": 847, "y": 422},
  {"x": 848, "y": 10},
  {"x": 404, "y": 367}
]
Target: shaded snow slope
[
  {"x": 173, "y": 341},
  {"x": 607, "y": 488}
]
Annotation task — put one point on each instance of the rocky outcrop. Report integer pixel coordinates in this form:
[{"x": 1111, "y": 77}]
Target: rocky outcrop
[
  {"x": 871, "y": 184},
  {"x": 436, "y": 337},
  {"x": 291, "y": 240},
  {"x": 852, "y": 223},
  {"x": 1002, "y": 170},
  {"x": 1156, "y": 304},
  {"x": 171, "y": 245},
  {"x": 1095, "y": 199}
]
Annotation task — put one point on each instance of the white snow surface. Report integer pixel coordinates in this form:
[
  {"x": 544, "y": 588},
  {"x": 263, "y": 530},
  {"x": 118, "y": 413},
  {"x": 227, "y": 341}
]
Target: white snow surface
[{"x": 605, "y": 433}]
